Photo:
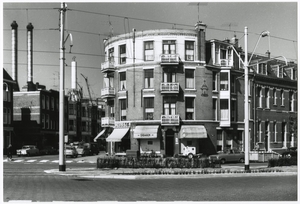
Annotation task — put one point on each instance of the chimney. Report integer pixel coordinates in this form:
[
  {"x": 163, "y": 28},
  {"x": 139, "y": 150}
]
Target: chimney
[
  {"x": 29, "y": 53},
  {"x": 14, "y": 50},
  {"x": 74, "y": 74},
  {"x": 268, "y": 53},
  {"x": 200, "y": 28}
]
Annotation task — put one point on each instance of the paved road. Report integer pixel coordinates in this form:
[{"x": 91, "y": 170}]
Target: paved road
[{"x": 27, "y": 181}]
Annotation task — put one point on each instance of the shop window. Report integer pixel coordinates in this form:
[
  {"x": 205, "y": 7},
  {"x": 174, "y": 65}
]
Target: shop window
[
  {"x": 189, "y": 105},
  {"x": 149, "y": 108},
  {"x": 149, "y": 51},
  {"x": 122, "y": 80},
  {"x": 122, "y": 49},
  {"x": 189, "y": 78},
  {"x": 149, "y": 80},
  {"x": 189, "y": 50}
]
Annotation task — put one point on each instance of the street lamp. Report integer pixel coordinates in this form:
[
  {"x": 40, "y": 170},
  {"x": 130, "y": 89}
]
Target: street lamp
[{"x": 246, "y": 102}]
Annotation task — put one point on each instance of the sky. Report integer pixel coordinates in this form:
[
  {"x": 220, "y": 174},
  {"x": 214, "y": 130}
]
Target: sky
[{"x": 90, "y": 23}]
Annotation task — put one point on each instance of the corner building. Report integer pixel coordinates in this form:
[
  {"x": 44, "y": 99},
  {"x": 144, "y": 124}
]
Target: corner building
[{"x": 155, "y": 86}]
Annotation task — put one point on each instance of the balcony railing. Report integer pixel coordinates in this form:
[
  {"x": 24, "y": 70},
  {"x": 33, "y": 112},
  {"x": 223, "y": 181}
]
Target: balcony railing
[
  {"x": 107, "y": 121},
  {"x": 108, "y": 92},
  {"x": 107, "y": 66},
  {"x": 169, "y": 87},
  {"x": 170, "y": 120},
  {"x": 169, "y": 59}
]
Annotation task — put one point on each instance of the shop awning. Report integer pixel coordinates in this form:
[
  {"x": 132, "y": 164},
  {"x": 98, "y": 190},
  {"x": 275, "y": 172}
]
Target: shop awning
[
  {"x": 192, "y": 131},
  {"x": 117, "y": 135},
  {"x": 99, "y": 135},
  {"x": 147, "y": 132}
]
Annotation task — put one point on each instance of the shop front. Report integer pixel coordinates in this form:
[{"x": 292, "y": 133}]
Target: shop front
[
  {"x": 119, "y": 140},
  {"x": 149, "y": 139}
]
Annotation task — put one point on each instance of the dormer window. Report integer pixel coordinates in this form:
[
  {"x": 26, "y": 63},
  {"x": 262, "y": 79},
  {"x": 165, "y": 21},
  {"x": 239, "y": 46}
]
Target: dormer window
[{"x": 262, "y": 69}]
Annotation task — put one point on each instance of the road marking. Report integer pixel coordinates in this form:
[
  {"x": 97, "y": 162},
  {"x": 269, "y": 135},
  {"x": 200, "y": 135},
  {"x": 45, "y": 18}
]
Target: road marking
[
  {"x": 55, "y": 161},
  {"x": 43, "y": 161},
  {"x": 80, "y": 161},
  {"x": 20, "y": 160},
  {"x": 18, "y": 201},
  {"x": 69, "y": 161},
  {"x": 32, "y": 160}
]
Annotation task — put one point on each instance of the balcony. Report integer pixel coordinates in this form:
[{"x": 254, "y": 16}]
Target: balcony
[
  {"x": 170, "y": 120},
  {"x": 107, "y": 122},
  {"x": 169, "y": 88},
  {"x": 107, "y": 66},
  {"x": 169, "y": 59},
  {"x": 108, "y": 92},
  {"x": 226, "y": 63}
]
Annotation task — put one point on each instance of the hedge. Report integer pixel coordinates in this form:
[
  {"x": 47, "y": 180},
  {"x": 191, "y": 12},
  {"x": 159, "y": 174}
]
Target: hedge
[
  {"x": 282, "y": 161},
  {"x": 146, "y": 162}
]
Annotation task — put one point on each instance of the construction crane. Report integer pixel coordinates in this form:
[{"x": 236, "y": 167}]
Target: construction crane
[{"x": 88, "y": 88}]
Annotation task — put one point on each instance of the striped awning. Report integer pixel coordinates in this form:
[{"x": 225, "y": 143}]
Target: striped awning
[
  {"x": 117, "y": 135},
  {"x": 192, "y": 131}
]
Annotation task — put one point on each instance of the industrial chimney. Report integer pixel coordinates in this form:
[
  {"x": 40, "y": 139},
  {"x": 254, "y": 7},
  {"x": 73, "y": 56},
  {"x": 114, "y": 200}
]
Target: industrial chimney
[
  {"x": 74, "y": 74},
  {"x": 30, "y": 85},
  {"x": 14, "y": 50}
]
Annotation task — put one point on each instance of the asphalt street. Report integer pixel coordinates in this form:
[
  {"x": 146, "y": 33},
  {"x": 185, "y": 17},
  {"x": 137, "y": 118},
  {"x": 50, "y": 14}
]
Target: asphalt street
[{"x": 28, "y": 181}]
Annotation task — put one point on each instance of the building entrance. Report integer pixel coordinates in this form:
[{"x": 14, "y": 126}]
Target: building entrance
[{"x": 169, "y": 143}]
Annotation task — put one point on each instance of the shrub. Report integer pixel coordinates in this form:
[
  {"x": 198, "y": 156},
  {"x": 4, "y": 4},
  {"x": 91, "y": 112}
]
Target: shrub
[{"x": 282, "y": 161}]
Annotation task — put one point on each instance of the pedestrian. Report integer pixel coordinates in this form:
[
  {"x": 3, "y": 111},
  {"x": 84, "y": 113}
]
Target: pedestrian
[{"x": 9, "y": 152}]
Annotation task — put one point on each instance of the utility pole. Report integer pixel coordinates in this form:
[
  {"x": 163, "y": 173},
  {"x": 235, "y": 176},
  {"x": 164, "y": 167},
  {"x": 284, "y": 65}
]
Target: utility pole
[
  {"x": 246, "y": 107},
  {"x": 62, "y": 160}
]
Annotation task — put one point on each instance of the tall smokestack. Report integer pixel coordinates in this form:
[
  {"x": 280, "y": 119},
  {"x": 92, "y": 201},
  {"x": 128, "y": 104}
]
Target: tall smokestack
[
  {"x": 29, "y": 53},
  {"x": 14, "y": 50},
  {"x": 74, "y": 74}
]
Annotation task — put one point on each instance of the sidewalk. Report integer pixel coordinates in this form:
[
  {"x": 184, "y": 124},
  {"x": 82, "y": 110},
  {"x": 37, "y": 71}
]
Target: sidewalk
[{"x": 150, "y": 173}]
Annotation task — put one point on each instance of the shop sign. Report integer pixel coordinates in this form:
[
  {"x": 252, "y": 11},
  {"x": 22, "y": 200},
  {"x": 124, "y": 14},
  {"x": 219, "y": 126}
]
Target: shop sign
[{"x": 121, "y": 124}]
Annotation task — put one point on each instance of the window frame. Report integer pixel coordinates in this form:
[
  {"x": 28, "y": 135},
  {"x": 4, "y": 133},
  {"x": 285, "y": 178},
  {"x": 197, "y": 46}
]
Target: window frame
[
  {"x": 192, "y": 79},
  {"x": 189, "y": 47},
  {"x": 150, "y": 42},
  {"x": 122, "y": 52}
]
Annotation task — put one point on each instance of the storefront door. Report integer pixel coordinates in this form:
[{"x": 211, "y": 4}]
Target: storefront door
[{"x": 169, "y": 143}]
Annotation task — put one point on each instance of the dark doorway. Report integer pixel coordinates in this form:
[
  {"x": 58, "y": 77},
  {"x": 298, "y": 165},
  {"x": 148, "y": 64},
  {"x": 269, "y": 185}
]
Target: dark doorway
[{"x": 169, "y": 143}]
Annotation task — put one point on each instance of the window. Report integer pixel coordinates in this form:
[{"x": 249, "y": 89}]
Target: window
[
  {"x": 274, "y": 97},
  {"x": 267, "y": 128},
  {"x": 224, "y": 109},
  {"x": 43, "y": 102},
  {"x": 169, "y": 77},
  {"x": 122, "y": 80},
  {"x": 111, "y": 57},
  {"x": 149, "y": 80},
  {"x": 233, "y": 84},
  {"x": 149, "y": 51},
  {"x": 259, "y": 95},
  {"x": 5, "y": 116},
  {"x": 47, "y": 102},
  {"x": 150, "y": 142},
  {"x": 275, "y": 131},
  {"x": 219, "y": 134},
  {"x": 52, "y": 103},
  {"x": 224, "y": 81},
  {"x": 47, "y": 122},
  {"x": 108, "y": 82},
  {"x": 43, "y": 120},
  {"x": 149, "y": 108},
  {"x": 189, "y": 78},
  {"x": 189, "y": 105},
  {"x": 282, "y": 97},
  {"x": 267, "y": 97},
  {"x": 122, "y": 49},
  {"x": 283, "y": 132},
  {"x": 262, "y": 68},
  {"x": 215, "y": 81},
  {"x": 169, "y": 108},
  {"x": 169, "y": 47},
  {"x": 259, "y": 132},
  {"x": 189, "y": 50},
  {"x": 291, "y": 101},
  {"x": 83, "y": 112},
  {"x": 215, "y": 108},
  {"x": 123, "y": 107},
  {"x": 233, "y": 110},
  {"x": 72, "y": 109}
]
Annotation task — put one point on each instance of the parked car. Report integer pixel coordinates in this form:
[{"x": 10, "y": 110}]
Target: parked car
[
  {"x": 28, "y": 150},
  {"x": 71, "y": 151},
  {"x": 83, "y": 150},
  {"x": 228, "y": 156},
  {"x": 290, "y": 152},
  {"x": 94, "y": 149},
  {"x": 48, "y": 150}
]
